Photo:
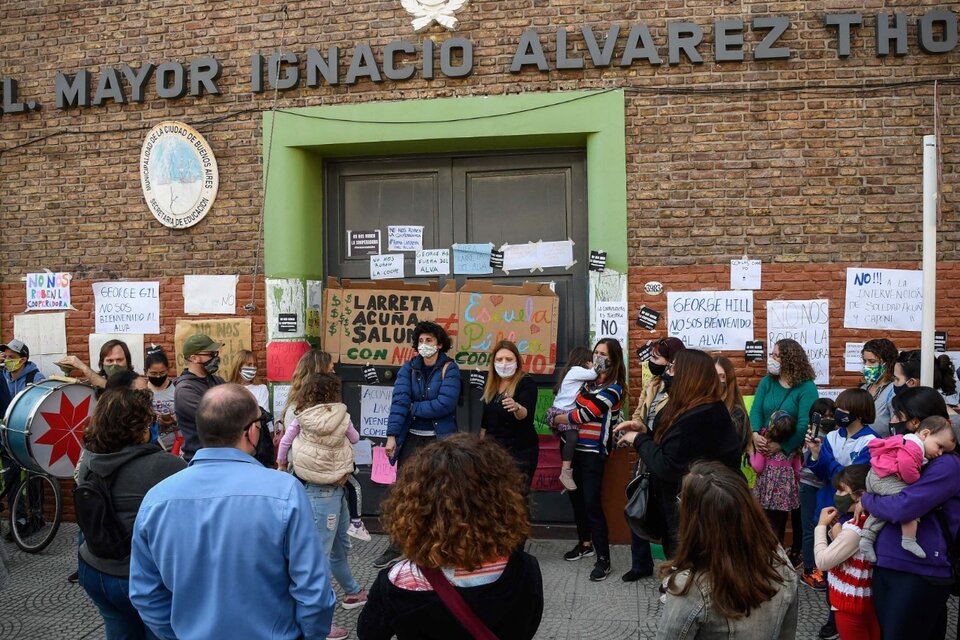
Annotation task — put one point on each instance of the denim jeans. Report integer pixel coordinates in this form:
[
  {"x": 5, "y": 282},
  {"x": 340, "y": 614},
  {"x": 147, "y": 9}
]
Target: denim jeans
[
  {"x": 121, "y": 621},
  {"x": 332, "y": 518},
  {"x": 808, "y": 517}
]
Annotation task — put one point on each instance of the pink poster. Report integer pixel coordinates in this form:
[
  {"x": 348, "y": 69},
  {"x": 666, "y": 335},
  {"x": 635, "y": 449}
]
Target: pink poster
[{"x": 382, "y": 472}]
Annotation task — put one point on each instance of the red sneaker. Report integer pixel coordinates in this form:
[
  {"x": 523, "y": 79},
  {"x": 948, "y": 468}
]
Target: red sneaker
[{"x": 814, "y": 579}]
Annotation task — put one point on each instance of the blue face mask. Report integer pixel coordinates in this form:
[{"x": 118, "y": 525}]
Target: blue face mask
[{"x": 843, "y": 418}]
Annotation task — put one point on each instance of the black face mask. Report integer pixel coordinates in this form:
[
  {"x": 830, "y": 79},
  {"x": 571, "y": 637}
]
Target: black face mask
[
  {"x": 656, "y": 369},
  {"x": 157, "y": 381},
  {"x": 898, "y": 428},
  {"x": 667, "y": 381}
]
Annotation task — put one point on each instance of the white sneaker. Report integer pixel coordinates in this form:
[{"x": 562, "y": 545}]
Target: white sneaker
[{"x": 359, "y": 532}]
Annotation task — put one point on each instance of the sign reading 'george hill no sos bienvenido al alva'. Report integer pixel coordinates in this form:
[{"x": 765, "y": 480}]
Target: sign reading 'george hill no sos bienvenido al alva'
[{"x": 178, "y": 174}]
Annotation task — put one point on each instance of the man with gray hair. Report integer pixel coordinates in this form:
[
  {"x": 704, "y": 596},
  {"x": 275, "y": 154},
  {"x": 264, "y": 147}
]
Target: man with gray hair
[{"x": 227, "y": 548}]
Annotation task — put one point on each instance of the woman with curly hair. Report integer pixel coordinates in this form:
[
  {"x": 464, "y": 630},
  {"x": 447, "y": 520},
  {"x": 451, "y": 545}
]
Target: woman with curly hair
[
  {"x": 736, "y": 585},
  {"x": 789, "y": 386},
  {"x": 458, "y": 514},
  {"x": 118, "y": 448},
  {"x": 879, "y": 359}
]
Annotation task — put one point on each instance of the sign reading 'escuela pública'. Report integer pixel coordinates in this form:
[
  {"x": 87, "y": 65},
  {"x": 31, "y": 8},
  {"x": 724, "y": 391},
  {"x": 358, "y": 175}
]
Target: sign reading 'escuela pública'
[{"x": 728, "y": 40}]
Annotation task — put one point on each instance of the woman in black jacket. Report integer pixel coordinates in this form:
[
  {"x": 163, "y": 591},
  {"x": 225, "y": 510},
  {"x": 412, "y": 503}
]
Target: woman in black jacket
[{"x": 694, "y": 425}]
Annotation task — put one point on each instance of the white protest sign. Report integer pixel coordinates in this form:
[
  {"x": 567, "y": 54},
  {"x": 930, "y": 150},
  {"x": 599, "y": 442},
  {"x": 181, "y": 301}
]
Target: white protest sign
[
  {"x": 127, "y": 307},
  {"x": 807, "y": 322},
  {"x": 433, "y": 262},
  {"x": 280, "y": 394},
  {"x": 404, "y": 238},
  {"x": 363, "y": 452},
  {"x": 385, "y": 266},
  {"x": 745, "y": 274},
  {"x": 374, "y": 410},
  {"x": 538, "y": 255},
  {"x": 134, "y": 342},
  {"x": 210, "y": 294},
  {"x": 612, "y": 321},
  {"x": 711, "y": 320},
  {"x": 853, "y": 357},
  {"x": 45, "y": 334},
  {"x": 830, "y": 393},
  {"x": 889, "y": 299},
  {"x": 46, "y": 291},
  {"x": 285, "y": 308}
]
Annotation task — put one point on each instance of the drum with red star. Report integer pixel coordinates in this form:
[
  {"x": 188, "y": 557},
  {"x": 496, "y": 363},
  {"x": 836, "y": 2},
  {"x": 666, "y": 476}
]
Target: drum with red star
[{"x": 43, "y": 427}]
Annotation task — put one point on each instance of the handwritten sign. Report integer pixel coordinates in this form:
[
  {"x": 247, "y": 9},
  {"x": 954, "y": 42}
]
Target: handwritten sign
[
  {"x": 537, "y": 255},
  {"x": 612, "y": 321},
  {"x": 433, "y": 262},
  {"x": 547, "y": 475},
  {"x": 382, "y": 471},
  {"x": 127, "y": 307},
  {"x": 404, "y": 238},
  {"x": 745, "y": 274},
  {"x": 711, "y": 320},
  {"x": 853, "y": 357},
  {"x": 544, "y": 401},
  {"x": 807, "y": 322},
  {"x": 282, "y": 359},
  {"x": 314, "y": 310},
  {"x": 45, "y": 334},
  {"x": 284, "y": 297},
  {"x": 234, "y": 333},
  {"x": 386, "y": 266},
  {"x": 280, "y": 394},
  {"x": 48, "y": 291},
  {"x": 889, "y": 299},
  {"x": 374, "y": 410},
  {"x": 363, "y": 243},
  {"x": 472, "y": 259},
  {"x": 210, "y": 294},
  {"x": 488, "y": 313},
  {"x": 134, "y": 342}
]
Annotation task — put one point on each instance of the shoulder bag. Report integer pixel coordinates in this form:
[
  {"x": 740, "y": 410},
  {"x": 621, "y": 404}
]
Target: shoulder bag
[{"x": 457, "y": 605}]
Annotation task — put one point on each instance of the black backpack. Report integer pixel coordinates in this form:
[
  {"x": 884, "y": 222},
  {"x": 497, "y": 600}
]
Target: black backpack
[
  {"x": 103, "y": 532},
  {"x": 265, "y": 453}
]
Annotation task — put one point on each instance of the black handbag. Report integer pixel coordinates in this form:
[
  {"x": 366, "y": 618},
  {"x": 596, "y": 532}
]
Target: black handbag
[{"x": 642, "y": 512}]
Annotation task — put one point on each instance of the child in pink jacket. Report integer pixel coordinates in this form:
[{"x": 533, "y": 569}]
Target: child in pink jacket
[{"x": 895, "y": 463}]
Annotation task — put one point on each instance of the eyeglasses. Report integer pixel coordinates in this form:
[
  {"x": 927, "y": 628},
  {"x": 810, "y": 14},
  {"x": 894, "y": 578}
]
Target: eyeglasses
[{"x": 209, "y": 354}]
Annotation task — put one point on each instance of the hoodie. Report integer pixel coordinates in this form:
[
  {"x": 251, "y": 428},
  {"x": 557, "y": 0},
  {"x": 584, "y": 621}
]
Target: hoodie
[
  {"x": 189, "y": 389},
  {"x": 148, "y": 465},
  {"x": 16, "y": 385}
]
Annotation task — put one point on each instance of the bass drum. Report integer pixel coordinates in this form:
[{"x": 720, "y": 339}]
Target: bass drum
[{"x": 43, "y": 427}]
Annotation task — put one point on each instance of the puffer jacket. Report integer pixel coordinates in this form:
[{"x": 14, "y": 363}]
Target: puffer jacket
[
  {"x": 427, "y": 402},
  {"x": 321, "y": 453}
]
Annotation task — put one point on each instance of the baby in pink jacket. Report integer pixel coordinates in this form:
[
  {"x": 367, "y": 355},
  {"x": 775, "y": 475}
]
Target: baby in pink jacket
[{"x": 895, "y": 463}]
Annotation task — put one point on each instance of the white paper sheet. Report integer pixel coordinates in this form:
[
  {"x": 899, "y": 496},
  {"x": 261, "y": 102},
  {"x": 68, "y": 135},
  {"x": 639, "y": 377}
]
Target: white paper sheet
[
  {"x": 127, "y": 307},
  {"x": 807, "y": 322},
  {"x": 745, "y": 274},
  {"x": 711, "y": 320},
  {"x": 404, "y": 237},
  {"x": 433, "y": 262},
  {"x": 887, "y": 299},
  {"x": 386, "y": 266},
  {"x": 45, "y": 334},
  {"x": 210, "y": 294},
  {"x": 284, "y": 296}
]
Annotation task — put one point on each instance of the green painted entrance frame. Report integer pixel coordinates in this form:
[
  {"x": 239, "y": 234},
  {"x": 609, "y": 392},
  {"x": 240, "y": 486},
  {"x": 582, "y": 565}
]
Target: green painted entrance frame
[{"x": 296, "y": 141}]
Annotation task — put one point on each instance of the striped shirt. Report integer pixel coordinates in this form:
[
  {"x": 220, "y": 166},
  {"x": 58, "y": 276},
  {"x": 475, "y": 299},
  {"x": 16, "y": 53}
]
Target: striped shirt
[
  {"x": 850, "y": 581},
  {"x": 597, "y": 411},
  {"x": 406, "y": 575}
]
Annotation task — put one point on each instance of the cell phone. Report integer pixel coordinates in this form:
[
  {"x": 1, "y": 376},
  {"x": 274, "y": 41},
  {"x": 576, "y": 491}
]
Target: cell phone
[{"x": 817, "y": 425}]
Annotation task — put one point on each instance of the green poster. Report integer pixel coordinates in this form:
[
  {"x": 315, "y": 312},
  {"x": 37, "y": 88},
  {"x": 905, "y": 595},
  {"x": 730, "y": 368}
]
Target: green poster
[{"x": 544, "y": 402}]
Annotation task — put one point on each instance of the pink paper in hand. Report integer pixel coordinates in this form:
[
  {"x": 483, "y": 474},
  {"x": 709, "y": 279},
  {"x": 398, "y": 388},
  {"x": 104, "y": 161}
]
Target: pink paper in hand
[{"x": 382, "y": 472}]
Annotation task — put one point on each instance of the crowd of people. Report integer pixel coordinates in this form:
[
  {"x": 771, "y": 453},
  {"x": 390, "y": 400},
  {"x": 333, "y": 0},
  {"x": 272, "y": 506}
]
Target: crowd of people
[{"x": 206, "y": 495}]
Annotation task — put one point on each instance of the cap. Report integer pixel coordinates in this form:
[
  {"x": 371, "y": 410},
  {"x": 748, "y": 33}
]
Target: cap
[
  {"x": 18, "y": 347},
  {"x": 668, "y": 347},
  {"x": 200, "y": 342}
]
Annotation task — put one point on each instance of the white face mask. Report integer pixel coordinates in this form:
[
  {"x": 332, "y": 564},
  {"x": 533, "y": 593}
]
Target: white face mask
[
  {"x": 427, "y": 350},
  {"x": 248, "y": 373},
  {"x": 505, "y": 369},
  {"x": 773, "y": 367}
]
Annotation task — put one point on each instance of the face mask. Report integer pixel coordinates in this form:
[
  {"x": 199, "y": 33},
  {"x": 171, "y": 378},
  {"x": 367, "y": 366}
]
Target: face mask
[
  {"x": 873, "y": 374},
  {"x": 248, "y": 373},
  {"x": 212, "y": 365},
  {"x": 427, "y": 350},
  {"x": 773, "y": 367},
  {"x": 506, "y": 369},
  {"x": 828, "y": 424},
  {"x": 601, "y": 364},
  {"x": 657, "y": 369},
  {"x": 842, "y": 503},
  {"x": 12, "y": 364},
  {"x": 157, "y": 381},
  {"x": 113, "y": 369},
  {"x": 897, "y": 390},
  {"x": 842, "y": 418},
  {"x": 667, "y": 381}
]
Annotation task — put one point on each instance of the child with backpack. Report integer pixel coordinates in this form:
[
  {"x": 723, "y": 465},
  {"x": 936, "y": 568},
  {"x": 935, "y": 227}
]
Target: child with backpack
[
  {"x": 579, "y": 370},
  {"x": 777, "y": 486},
  {"x": 850, "y": 575}
]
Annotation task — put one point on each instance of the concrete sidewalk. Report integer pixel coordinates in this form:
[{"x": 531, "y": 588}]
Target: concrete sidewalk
[{"x": 39, "y": 603}]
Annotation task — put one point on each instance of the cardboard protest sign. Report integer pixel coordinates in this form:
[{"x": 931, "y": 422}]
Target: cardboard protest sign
[{"x": 235, "y": 333}]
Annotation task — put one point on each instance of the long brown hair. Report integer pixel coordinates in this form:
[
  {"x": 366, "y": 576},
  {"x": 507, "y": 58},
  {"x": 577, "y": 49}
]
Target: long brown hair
[
  {"x": 618, "y": 370},
  {"x": 120, "y": 419},
  {"x": 492, "y": 388},
  {"x": 313, "y": 361},
  {"x": 578, "y": 357},
  {"x": 695, "y": 382},
  {"x": 233, "y": 369},
  {"x": 794, "y": 363},
  {"x": 742, "y": 575}
]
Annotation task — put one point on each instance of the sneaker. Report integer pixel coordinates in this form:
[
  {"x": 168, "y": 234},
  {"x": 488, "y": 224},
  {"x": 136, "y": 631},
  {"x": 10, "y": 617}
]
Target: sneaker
[
  {"x": 633, "y": 575},
  {"x": 358, "y": 531},
  {"x": 566, "y": 479},
  {"x": 74, "y": 577},
  {"x": 828, "y": 631},
  {"x": 600, "y": 570},
  {"x": 337, "y": 633},
  {"x": 579, "y": 551},
  {"x": 814, "y": 579},
  {"x": 386, "y": 558},
  {"x": 356, "y": 600}
]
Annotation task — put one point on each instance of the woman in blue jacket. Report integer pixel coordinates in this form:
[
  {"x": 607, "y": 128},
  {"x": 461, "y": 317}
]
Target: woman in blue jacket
[{"x": 424, "y": 407}]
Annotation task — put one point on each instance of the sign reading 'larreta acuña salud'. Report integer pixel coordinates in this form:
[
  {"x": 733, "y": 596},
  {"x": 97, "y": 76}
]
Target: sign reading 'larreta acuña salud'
[
  {"x": 178, "y": 174},
  {"x": 730, "y": 40}
]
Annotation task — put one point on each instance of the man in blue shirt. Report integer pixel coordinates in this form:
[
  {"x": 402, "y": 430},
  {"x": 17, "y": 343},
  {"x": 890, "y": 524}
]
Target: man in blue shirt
[{"x": 227, "y": 548}]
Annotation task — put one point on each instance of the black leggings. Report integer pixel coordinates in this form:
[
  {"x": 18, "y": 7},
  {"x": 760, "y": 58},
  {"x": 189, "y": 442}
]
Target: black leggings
[
  {"x": 568, "y": 440},
  {"x": 778, "y": 520}
]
